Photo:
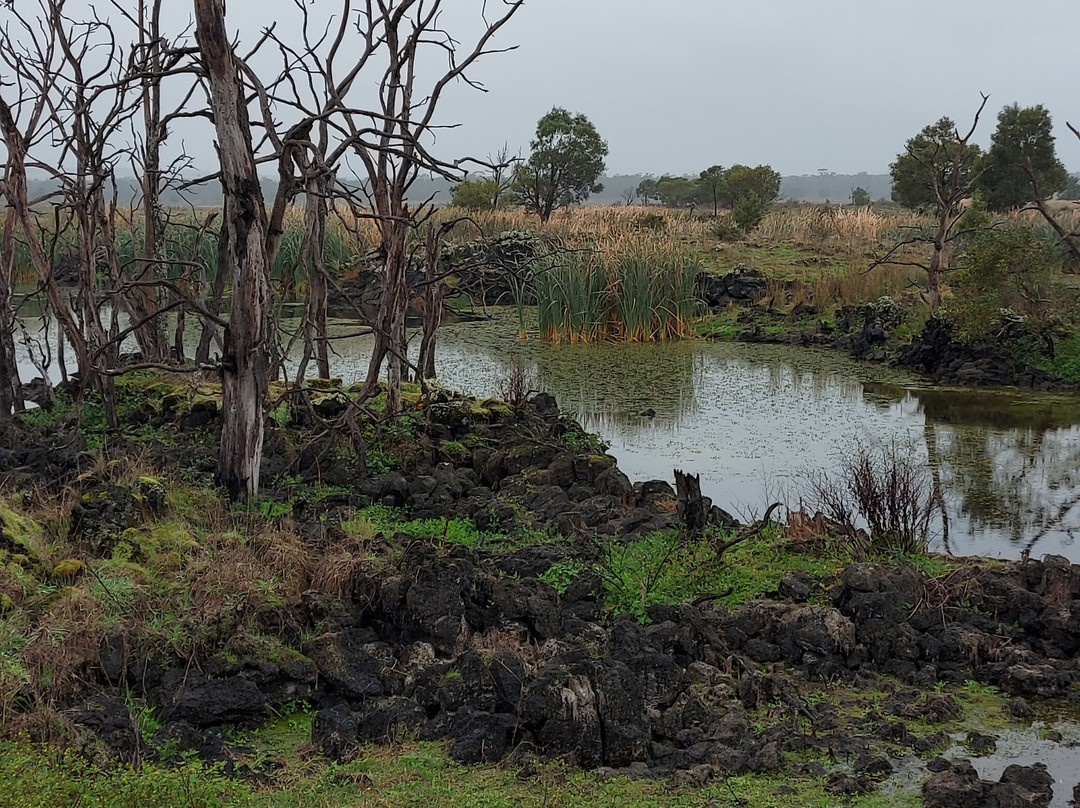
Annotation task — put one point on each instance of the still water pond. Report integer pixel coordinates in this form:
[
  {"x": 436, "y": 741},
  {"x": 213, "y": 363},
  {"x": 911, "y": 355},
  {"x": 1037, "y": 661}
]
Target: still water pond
[{"x": 753, "y": 420}]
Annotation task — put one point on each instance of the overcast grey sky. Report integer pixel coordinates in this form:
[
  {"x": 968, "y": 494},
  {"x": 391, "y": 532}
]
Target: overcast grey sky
[{"x": 678, "y": 85}]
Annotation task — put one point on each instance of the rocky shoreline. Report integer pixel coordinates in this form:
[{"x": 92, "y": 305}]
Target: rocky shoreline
[
  {"x": 486, "y": 649},
  {"x": 867, "y": 332}
]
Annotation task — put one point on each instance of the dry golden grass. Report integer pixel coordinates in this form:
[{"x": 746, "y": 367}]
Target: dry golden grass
[{"x": 202, "y": 577}]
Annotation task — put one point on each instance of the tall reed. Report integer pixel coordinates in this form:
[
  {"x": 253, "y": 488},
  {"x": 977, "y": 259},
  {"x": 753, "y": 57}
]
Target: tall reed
[{"x": 633, "y": 288}]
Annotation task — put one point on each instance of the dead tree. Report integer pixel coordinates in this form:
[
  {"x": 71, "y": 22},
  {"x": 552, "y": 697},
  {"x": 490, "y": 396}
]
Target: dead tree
[
  {"x": 15, "y": 139},
  {"x": 10, "y": 385},
  {"x": 502, "y": 173},
  {"x": 247, "y": 337},
  {"x": 949, "y": 187},
  {"x": 92, "y": 106},
  {"x": 390, "y": 143},
  {"x": 153, "y": 60},
  {"x": 433, "y": 297},
  {"x": 321, "y": 144},
  {"x": 320, "y": 86}
]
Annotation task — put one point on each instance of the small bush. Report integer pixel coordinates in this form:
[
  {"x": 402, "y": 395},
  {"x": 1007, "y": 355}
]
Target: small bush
[
  {"x": 748, "y": 212},
  {"x": 726, "y": 229},
  {"x": 561, "y": 574},
  {"x": 880, "y": 502},
  {"x": 517, "y": 385},
  {"x": 655, "y": 222},
  {"x": 1063, "y": 362},
  {"x": 1007, "y": 279},
  {"x": 661, "y": 568}
]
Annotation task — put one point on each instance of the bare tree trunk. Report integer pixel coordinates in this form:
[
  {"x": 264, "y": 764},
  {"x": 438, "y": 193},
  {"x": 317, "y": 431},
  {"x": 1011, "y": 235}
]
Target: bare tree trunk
[
  {"x": 144, "y": 299},
  {"x": 433, "y": 303},
  {"x": 937, "y": 260},
  {"x": 247, "y": 337},
  {"x": 178, "y": 336},
  {"x": 316, "y": 212},
  {"x": 19, "y": 207},
  {"x": 10, "y": 388},
  {"x": 392, "y": 319},
  {"x": 217, "y": 292},
  {"x": 390, "y": 346},
  {"x": 691, "y": 506}
]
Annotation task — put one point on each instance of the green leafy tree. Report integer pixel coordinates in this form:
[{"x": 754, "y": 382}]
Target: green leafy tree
[
  {"x": 741, "y": 181},
  {"x": 647, "y": 189},
  {"x": 860, "y": 197},
  {"x": 1022, "y": 168},
  {"x": 1071, "y": 189},
  {"x": 1021, "y": 165},
  {"x": 568, "y": 156},
  {"x": 937, "y": 158},
  {"x": 713, "y": 185},
  {"x": 937, "y": 170},
  {"x": 678, "y": 192},
  {"x": 479, "y": 194}
]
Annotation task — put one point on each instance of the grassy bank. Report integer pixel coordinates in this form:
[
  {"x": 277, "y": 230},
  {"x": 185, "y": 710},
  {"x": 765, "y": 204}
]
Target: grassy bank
[{"x": 409, "y": 776}]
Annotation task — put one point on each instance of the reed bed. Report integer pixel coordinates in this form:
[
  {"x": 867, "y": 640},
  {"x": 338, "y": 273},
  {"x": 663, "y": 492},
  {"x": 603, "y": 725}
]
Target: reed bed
[
  {"x": 636, "y": 288},
  {"x": 619, "y": 272}
]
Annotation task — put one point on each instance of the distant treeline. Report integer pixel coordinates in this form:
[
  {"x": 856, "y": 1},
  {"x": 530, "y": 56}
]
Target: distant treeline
[{"x": 805, "y": 188}]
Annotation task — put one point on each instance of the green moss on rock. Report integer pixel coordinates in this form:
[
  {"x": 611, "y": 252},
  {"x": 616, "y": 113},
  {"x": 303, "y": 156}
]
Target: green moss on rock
[{"x": 68, "y": 568}]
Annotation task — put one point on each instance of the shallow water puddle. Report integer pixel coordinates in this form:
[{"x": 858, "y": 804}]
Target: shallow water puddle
[{"x": 1029, "y": 746}]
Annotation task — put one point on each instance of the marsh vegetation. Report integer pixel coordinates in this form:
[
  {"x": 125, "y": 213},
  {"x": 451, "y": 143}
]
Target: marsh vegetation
[{"x": 266, "y": 538}]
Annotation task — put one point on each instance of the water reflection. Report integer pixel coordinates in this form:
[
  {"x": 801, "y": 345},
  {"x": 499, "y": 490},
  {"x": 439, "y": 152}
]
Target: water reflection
[{"x": 753, "y": 419}]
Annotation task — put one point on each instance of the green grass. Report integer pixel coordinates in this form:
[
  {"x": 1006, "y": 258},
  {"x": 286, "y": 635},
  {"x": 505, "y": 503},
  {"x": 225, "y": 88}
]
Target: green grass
[
  {"x": 36, "y": 778},
  {"x": 721, "y": 327},
  {"x": 458, "y": 531},
  {"x": 1064, "y": 364},
  {"x": 664, "y": 568},
  {"x": 782, "y": 261},
  {"x": 392, "y": 521},
  {"x": 407, "y": 776}
]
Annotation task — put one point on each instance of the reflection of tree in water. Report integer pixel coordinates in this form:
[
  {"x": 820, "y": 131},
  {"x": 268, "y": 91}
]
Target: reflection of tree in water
[
  {"x": 1008, "y": 463},
  {"x": 786, "y": 376},
  {"x": 1021, "y": 481}
]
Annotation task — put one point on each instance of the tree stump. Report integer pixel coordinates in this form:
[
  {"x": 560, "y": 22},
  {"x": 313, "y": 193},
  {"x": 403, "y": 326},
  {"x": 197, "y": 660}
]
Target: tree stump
[{"x": 691, "y": 507}]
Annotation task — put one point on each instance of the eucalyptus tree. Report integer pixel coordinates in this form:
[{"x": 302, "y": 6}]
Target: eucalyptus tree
[
  {"x": 567, "y": 158},
  {"x": 1021, "y": 168},
  {"x": 713, "y": 184}
]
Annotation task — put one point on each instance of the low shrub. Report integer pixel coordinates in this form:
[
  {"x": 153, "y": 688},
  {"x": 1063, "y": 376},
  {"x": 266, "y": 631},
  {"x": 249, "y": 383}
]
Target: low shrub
[{"x": 880, "y": 502}]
